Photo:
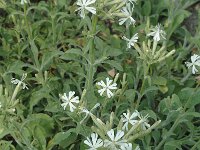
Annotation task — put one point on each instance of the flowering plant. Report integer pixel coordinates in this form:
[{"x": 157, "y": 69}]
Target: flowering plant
[{"x": 99, "y": 74}]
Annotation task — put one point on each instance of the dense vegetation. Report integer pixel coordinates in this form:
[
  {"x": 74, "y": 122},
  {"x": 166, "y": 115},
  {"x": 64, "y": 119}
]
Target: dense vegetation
[{"x": 99, "y": 74}]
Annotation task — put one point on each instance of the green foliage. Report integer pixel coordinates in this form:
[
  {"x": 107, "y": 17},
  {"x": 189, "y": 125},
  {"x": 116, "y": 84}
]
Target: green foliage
[{"x": 61, "y": 52}]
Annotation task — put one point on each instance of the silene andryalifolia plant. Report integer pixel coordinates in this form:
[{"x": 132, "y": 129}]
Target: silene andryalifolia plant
[{"x": 99, "y": 75}]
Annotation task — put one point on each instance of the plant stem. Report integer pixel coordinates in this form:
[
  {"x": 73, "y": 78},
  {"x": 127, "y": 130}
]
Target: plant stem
[
  {"x": 146, "y": 70},
  {"x": 195, "y": 146},
  {"x": 91, "y": 55},
  {"x": 53, "y": 28},
  {"x": 27, "y": 24},
  {"x": 16, "y": 91},
  {"x": 168, "y": 134}
]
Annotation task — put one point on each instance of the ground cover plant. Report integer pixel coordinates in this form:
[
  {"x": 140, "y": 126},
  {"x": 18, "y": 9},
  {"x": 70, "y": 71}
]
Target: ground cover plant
[{"x": 99, "y": 74}]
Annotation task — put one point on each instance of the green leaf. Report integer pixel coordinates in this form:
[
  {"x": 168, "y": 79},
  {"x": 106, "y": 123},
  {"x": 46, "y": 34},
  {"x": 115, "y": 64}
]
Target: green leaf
[
  {"x": 168, "y": 104},
  {"x": 77, "y": 52},
  {"x": 60, "y": 138},
  {"x": 173, "y": 145},
  {"x": 113, "y": 52},
  {"x": 6, "y": 145},
  {"x": 47, "y": 58},
  {"x": 130, "y": 94},
  {"x": 38, "y": 95},
  {"x": 158, "y": 80},
  {"x": 44, "y": 121},
  {"x": 146, "y": 9},
  {"x": 83, "y": 130},
  {"x": 35, "y": 53},
  {"x": 114, "y": 64},
  {"x": 194, "y": 100},
  {"x": 16, "y": 67},
  {"x": 2, "y": 4},
  {"x": 39, "y": 136},
  {"x": 193, "y": 114},
  {"x": 71, "y": 139},
  {"x": 177, "y": 20}
]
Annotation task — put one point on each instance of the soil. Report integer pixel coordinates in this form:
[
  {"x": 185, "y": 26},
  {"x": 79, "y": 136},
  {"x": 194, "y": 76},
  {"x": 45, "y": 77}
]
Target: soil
[{"x": 191, "y": 23}]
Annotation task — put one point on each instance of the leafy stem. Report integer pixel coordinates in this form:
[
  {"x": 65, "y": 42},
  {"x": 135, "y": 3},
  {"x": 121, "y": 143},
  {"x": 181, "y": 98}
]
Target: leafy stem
[
  {"x": 146, "y": 70},
  {"x": 90, "y": 73}
]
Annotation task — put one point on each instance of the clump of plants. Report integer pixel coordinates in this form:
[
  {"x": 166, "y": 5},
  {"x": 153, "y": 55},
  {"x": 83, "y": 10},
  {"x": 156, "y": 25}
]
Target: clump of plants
[{"x": 98, "y": 74}]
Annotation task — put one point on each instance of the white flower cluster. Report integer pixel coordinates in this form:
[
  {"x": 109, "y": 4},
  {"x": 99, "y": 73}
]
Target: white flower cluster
[
  {"x": 118, "y": 141},
  {"x": 84, "y": 6},
  {"x": 133, "y": 119},
  {"x": 195, "y": 62},
  {"x": 114, "y": 141},
  {"x": 157, "y": 34},
  {"x": 104, "y": 88}
]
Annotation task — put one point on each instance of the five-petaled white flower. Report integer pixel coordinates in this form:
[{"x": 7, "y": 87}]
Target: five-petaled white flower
[
  {"x": 20, "y": 82},
  {"x": 126, "y": 146},
  {"x": 114, "y": 141},
  {"x": 131, "y": 41},
  {"x": 107, "y": 87},
  {"x": 144, "y": 122},
  {"x": 157, "y": 33},
  {"x": 23, "y": 2},
  {"x": 129, "y": 118},
  {"x": 69, "y": 100},
  {"x": 127, "y": 12},
  {"x": 0, "y": 105},
  {"x": 94, "y": 143},
  {"x": 195, "y": 62},
  {"x": 84, "y": 5}
]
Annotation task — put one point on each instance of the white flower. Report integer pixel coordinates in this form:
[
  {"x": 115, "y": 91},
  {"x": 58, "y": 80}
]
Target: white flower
[
  {"x": 157, "y": 33},
  {"x": 87, "y": 112},
  {"x": 195, "y": 62},
  {"x": 0, "y": 105},
  {"x": 137, "y": 148},
  {"x": 144, "y": 121},
  {"x": 94, "y": 143},
  {"x": 19, "y": 82},
  {"x": 129, "y": 118},
  {"x": 131, "y": 41},
  {"x": 130, "y": 1},
  {"x": 114, "y": 141},
  {"x": 126, "y": 146},
  {"x": 69, "y": 100},
  {"x": 107, "y": 87},
  {"x": 23, "y": 2},
  {"x": 84, "y": 5},
  {"x": 127, "y": 12}
]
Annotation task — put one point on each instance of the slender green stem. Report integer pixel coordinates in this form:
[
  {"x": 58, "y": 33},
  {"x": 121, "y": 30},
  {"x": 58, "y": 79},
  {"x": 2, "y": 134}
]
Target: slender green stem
[
  {"x": 15, "y": 91},
  {"x": 169, "y": 133},
  {"x": 195, "y": 146},
  {"x": 91, "y": 55},
  {"x": 146, "y": 70},
  {"x": 27, "y": 24},
  {"x": 53, "y": 28},
  {"x": 154, "y": 47}
]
